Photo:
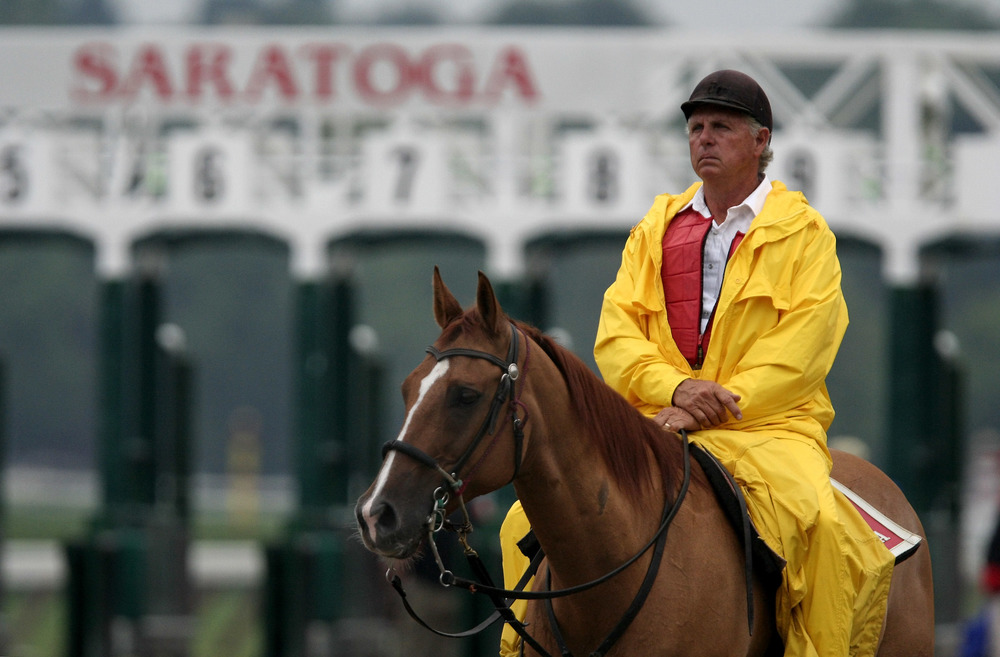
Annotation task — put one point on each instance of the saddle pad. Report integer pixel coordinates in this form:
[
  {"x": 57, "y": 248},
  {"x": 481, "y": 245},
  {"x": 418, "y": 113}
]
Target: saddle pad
[{"x": 901, "y": 542}]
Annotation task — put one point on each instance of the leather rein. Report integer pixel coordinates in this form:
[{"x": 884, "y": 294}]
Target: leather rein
[{"x": 453, "y": 484}]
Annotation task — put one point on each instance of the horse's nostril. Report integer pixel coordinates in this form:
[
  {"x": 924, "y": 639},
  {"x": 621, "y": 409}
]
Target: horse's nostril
[
  {"x": 385, "y": 517},
  {"x": 377, "y": 519}
]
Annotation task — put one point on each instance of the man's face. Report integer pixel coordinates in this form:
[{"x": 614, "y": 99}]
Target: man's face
[{"x": 722, "y": 146}]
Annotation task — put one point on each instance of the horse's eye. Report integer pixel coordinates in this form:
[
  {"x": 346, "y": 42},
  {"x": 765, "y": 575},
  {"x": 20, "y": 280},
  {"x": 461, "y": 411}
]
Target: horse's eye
[{"x": 462, "y": 396}]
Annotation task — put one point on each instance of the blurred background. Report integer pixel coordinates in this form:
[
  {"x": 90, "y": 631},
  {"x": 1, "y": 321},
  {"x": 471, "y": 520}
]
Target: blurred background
[{"x": 218, "y": 222}]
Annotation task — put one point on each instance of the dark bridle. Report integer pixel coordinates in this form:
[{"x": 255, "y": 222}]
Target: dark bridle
[{"x": 505, "y": 391}]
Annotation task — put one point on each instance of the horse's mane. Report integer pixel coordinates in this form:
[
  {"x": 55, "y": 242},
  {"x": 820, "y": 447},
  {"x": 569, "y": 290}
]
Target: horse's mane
[{"x": 620, "y": 432}]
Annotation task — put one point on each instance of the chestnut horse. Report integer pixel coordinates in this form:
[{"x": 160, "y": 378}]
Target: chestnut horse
[{"x": 595, "y": 477}]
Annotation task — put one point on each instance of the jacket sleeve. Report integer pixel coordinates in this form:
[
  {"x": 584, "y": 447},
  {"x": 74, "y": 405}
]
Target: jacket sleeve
[
  {"x": 785, "y": 367},
  {"x": 634, "y": 358}
]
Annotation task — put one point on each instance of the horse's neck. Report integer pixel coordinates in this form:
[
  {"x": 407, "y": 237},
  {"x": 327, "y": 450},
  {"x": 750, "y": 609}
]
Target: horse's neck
[{"x": 584, "y": 521}]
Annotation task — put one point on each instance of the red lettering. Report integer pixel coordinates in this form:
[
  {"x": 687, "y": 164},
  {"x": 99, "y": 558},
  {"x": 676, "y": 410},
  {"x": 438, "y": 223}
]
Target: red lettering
[
  {"x": 209, "y": 65},
  {"x": 148, "y": 66},
  {"x": 393, "y": 57},
  {"x": 93, "y": 61},
  {"x": 455, "y": 60},
  {"x": 272, "y": 66},
  {"x": 511, "y": 68},
  {"x": 382, "y": 74},
  {"x": 325, "y": 58}
]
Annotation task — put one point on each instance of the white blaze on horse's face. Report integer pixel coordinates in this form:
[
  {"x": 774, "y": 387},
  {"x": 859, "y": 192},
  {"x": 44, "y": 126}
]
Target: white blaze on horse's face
[{"x": 433, "y": 377}]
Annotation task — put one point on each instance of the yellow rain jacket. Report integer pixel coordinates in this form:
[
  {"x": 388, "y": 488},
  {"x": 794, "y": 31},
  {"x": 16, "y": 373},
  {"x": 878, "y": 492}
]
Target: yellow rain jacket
[
  {"x": 777, "y": 328},
  {"x": 778, "y": 325}
]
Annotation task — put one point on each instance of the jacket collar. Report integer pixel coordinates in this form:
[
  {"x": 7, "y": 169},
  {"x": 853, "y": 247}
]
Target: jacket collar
[
  {"x": 780, "y": 206},
  {"x": 752, "y": 204},
  {"x": 781, "y": 214}
]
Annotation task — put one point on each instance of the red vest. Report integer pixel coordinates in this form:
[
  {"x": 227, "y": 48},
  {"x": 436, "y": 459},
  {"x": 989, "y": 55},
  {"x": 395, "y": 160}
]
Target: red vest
[{"x": 683, "y": 253}]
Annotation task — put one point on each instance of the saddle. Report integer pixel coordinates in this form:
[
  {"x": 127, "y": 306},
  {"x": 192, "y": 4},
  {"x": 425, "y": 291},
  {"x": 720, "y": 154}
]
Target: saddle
[
  {"x": 901, "y": 542},
  {"x": 760, "y": 558}
]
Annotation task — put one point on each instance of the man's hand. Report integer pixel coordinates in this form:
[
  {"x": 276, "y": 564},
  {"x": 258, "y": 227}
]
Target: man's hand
[
  {"x": 708, "y": 403},
  {"x": 674, "y": 419}
]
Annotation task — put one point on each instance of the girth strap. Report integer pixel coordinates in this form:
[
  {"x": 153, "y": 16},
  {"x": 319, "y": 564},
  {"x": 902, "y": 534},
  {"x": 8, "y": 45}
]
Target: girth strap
[{"x": 733, "y": 503}]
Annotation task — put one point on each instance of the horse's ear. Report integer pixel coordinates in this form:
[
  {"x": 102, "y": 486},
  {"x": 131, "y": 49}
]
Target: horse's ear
[
  {"x": 446, "y": 306},
  {"x": 489, "y": 307}
]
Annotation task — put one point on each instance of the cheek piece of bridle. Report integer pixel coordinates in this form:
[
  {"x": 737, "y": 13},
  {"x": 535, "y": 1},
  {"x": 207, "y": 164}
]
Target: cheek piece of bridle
[{"x": 502, "y": 598}]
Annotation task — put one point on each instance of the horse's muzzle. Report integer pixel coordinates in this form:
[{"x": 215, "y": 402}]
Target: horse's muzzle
[{"x": 384, "y": 531}]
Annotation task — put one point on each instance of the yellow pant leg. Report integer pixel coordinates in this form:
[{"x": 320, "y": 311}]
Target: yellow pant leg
[
  {"x": 515, "y": 526},
  {"x": 871, "y": 566},
  {"x": 835, "y": 586}
]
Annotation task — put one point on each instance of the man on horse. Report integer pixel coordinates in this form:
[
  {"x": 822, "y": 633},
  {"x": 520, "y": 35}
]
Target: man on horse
[{"x": 724, "y": 320}]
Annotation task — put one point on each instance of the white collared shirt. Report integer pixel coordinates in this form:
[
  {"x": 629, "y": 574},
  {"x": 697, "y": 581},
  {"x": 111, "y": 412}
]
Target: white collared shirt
[{"x": 720, "y": 239}]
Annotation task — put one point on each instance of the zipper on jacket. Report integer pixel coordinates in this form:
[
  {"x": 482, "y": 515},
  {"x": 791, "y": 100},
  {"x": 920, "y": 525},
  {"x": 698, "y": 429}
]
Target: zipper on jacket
[
  {"x": 700, "y": 353},
  {"x": 700, "y": 357}
]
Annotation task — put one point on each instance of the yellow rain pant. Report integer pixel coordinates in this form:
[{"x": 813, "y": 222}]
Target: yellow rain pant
[
  {"x": 835, "y": 587},
  {"x": 515, "y": 527}
]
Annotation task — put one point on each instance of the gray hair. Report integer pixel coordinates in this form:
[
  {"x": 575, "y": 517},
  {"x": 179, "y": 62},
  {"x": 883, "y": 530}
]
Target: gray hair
[{"x": 767, "y": 154}]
